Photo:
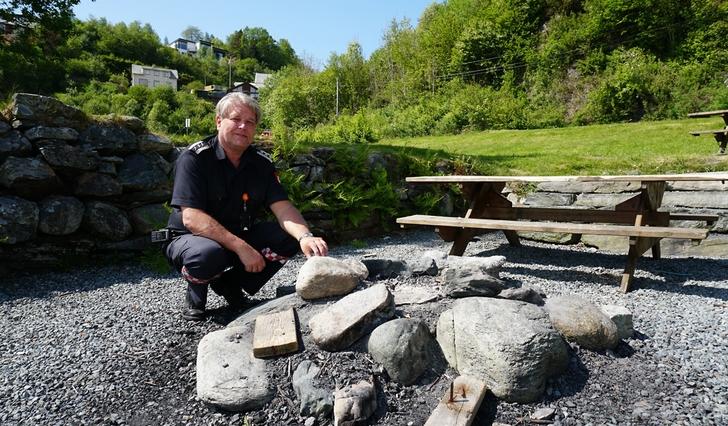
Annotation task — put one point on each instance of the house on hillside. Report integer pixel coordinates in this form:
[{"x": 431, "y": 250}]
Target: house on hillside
[
  {"x": 251, "y": 88},
  {"x": 143, "y": 75},
  {"x": 193, "y": 48}
]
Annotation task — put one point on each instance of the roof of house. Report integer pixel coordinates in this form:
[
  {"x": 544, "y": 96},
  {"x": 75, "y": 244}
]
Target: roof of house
[{"x": 139, "y": 69}]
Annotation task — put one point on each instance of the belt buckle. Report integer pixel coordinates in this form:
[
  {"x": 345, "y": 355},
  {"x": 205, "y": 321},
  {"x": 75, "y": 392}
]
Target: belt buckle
[{"x": 161, "y": 236}]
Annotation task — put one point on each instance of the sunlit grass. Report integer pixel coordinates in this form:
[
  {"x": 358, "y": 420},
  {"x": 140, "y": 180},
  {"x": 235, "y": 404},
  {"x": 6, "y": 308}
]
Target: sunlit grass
[{"x": 624, "y": 148}]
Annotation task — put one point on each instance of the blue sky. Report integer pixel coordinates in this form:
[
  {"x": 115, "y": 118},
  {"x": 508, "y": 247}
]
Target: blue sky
[{"x": 315, "y": 29}]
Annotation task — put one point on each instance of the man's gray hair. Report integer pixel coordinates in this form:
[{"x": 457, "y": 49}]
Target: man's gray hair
[{"x": 233, "y": 99}]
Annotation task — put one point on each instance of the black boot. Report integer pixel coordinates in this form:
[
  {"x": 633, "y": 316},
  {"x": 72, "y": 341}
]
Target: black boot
[
  {"x": 195, "y": 301},
  {"x": 232, "y": 294}
]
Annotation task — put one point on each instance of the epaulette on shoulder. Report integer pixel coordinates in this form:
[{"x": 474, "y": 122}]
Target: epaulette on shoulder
[
  {"x": 199, "y": 146},
  {"x": 264, "y": 154}
]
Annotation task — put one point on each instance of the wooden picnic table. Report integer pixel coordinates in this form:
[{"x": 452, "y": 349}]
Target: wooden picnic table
[
  {"x": 720, "y": 135},
  {"x": 638, "y": 217}
]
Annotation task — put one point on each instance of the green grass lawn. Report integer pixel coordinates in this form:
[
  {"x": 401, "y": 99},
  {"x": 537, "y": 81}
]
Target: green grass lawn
[{"x": 658, "y": 147}]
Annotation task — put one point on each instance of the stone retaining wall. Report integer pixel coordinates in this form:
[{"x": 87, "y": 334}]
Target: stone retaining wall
[
  {"x": 72, "y": 187},
  {"x": 679, "y": 197}
]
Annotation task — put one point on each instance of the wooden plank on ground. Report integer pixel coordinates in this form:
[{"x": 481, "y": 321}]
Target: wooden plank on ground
[
  {"x": 275, "y": 334},
  {"x": 460, "y": 403},
  {"x": 569, "y": 228}
]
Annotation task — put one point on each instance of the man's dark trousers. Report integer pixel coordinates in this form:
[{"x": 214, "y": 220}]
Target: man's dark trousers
[{"x": 206, "y": 261}]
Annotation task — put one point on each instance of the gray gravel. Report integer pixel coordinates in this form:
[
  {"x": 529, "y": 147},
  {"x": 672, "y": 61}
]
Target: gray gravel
[{"x": 106, "y": 344}]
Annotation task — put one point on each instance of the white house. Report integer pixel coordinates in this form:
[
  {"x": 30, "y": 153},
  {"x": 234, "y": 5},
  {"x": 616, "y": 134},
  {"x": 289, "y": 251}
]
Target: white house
[
  {"x": 152, "y": 77},
  {"x": 190, "y": 47}
]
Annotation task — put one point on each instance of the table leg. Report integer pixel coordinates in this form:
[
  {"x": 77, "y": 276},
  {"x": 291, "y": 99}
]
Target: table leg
[
  {"x": 722, "y": 140},
  {"x": 648, "y": 200}
]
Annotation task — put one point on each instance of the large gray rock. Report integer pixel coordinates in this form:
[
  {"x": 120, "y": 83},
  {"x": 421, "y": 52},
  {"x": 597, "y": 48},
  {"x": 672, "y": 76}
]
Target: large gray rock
[
  {"x": 315, "y": 401},
  {"x": 59, "y": 133},
  {"x": 696, "y": 199},
  {"x": 150, "y": 142},
  {"x": 386, "y": 268},
  {"x": 106, "y": 221},
  {"x": 582, "y": 322},
  {"x": 18, "y": 220},
  {"x": 68, "y": 158},
  {"x": 510, "y": 345},
  {"x": 467, "y": 276},
  {"x": 354, "y": 404},
  {"x": 29, "y": 177},
  {"x": 622, "y": 318},
  {"x": 466, "y": 283},
  {"x": 144, "y": 172},
  {"x": 401, "y": 346},
  {"x": 4, "y": 127},
  {"x": 60, "y": 215},
  {"x": 30, "y": 110},
  {"x": 355, "y": 315},
  {"x": 97, "y": 185},
  {"x": 14, "y": 144},
  {"x": 323, "y": 277},
  {"x": 109, "y": 139},
  {"x": 525, "y": 294},
  {"x": 228, "y": 376},
  {"x": 146, "y": 219}
]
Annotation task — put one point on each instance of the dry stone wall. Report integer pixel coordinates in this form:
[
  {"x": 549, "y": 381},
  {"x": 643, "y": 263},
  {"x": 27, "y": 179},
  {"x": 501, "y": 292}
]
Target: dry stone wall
[
  {"x": 72, "y": 187},
  {"x": 679, "y": 197}
]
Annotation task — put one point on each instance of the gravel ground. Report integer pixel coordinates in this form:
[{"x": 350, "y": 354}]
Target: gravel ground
[{"x": 106, "y": 344}]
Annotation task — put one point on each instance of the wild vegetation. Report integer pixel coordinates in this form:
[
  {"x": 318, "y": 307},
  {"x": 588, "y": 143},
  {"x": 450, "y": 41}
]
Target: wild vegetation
[{"x": 467, "y": 65}]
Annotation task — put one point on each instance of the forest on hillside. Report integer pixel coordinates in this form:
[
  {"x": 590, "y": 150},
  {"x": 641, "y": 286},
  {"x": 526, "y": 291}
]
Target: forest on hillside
[{"x": 464, "y": 65}]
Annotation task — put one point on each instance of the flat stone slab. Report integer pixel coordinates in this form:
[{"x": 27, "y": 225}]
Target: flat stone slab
[
  {"x": 410, "y": 295},
  {"x": 228, "y": 375},
  {"x": 347, "y": 320}
]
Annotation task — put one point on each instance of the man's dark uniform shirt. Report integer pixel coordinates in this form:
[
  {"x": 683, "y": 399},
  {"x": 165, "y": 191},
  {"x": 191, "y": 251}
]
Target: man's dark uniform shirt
[{"x": 206, "y": 180}]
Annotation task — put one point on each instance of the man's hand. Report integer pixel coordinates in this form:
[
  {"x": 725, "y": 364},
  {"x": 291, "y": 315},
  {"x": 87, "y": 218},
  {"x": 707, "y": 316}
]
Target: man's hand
[
  {"x": 314, "y": 246},
  {"x": 252, "y": 260}
]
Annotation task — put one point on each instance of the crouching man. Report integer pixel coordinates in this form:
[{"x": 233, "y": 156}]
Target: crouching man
[{"x": 221, "y": 185}]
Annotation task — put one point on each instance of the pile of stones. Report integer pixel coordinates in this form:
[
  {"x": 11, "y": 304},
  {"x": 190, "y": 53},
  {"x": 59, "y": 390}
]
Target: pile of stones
[{"x": 513, "y": 339}]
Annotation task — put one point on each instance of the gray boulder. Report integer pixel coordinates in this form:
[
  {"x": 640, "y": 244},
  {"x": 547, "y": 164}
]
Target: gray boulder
[
  {"x": 64, "y": 157},
  {"x": 386, "y": 268},
  {"x": 344, "y": 322},
  {"x": 60, "y": 215},
  {"x": 29, "y": 110},
  {"x": 401, "y": 346},
  {"x": 18, "y": 220},
  {"x": 14, "y": 144},
  {"x": 322, "y": 277},
  {"x": 582, "y": 322},
  {"x": 109, "y": 139},
  {"x": 622, "y": 318},
  {"x": 106, "y": 221},
  {"x": 525, "y": 294},
  {"x": 144, "y": 172},
  {"x": 354, "y": 404},
  {"x": 29, "y": 177},
  {"x": 59, "y": 133},
  {"x": 4, "y": 127},
  {"x": 510, "y": 345},
  {"x": 97, "y": 185},
  {"x": 466, "y": 283},
  {"x": 228, "y": 375},
  {"x": 315, "y": 401}
]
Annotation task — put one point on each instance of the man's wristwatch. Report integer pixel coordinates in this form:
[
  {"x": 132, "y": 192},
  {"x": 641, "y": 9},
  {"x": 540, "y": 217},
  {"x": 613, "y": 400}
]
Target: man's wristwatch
[{"x": 306, "y": 235}]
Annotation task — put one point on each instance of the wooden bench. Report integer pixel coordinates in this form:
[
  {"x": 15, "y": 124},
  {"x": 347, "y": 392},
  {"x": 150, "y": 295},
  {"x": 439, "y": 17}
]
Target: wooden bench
[
  {"x": 637, "y": 218},
  {"x": 720, "y": 135},
  {"x": 559, "y": 227}
]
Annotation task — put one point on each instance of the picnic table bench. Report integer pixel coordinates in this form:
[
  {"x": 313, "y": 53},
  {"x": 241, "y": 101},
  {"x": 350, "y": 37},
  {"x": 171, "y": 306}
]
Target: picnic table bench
[
  {"x": 637, "y": 218},
  {"x": 720, "y": 135}
]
